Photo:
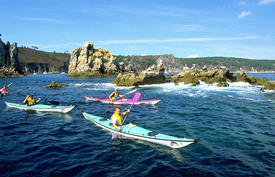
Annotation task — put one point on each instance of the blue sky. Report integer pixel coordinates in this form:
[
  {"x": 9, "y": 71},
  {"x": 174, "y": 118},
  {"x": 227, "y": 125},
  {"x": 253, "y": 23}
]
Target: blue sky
[{"x": 185, "y": 28}]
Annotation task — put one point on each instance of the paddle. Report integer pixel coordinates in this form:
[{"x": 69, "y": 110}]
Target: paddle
[
  {"x": 135, "y": 99},
  {"x": 9, "y": 84},
  {"x": 127, "y": 94},
  {"x": 54, "y": 102},
  {"x": 130, "y": 92}
]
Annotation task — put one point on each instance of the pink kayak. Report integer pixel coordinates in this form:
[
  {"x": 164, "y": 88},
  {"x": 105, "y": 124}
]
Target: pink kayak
[{"x": 122, "y": 101}]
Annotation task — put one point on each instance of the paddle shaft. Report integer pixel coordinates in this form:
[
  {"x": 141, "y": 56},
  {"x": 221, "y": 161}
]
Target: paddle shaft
[
  {"x": 130, "y": 92},
  {"x": 135, "y": 99}
]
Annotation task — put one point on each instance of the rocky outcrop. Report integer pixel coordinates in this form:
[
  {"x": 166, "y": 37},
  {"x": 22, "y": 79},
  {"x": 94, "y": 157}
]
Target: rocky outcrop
[
  {"x": 88, "y": 61},
  {"x": 8, "y": 72},
  {"x": 55, "y": 85},
  {"x": 153, "y": 75},
  {"x": 193, "y": 75},
  {"x": 9, "y": 60},
  {"x": 220, "y": 75}
]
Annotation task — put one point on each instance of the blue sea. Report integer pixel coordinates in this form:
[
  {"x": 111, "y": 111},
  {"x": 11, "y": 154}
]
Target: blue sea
[{"x": 236, "y": 126}]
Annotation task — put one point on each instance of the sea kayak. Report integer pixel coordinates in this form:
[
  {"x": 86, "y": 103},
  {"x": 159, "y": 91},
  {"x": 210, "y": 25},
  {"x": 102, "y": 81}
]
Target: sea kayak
[
  {"x": 41, "y": 107},
  {"x": 122, "y": 101},
  {"x": 132, "y": 131}
]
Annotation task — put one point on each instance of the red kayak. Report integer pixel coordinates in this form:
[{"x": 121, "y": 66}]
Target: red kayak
[{"x": 122, "y": 101}]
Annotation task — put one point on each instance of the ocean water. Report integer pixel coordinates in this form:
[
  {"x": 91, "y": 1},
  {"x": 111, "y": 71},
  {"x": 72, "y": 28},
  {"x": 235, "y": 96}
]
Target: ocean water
[{"x": 236, "y": 126}]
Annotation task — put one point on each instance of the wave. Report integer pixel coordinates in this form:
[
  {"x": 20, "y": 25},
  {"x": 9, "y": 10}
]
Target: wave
[{"x": 99, "y": 86}]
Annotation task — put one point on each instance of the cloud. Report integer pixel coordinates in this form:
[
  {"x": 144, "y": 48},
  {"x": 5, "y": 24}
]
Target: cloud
[
  {"x": 185, "y": 28},
  {"x": 242, "y": 3},
  {"x": 202, "y": 39},
  {"x": 47, "y": 20},
  {"x": 266, "y": 1},
  {"x": 193, "y": 56},
  {"x": 244, "y": 14}
]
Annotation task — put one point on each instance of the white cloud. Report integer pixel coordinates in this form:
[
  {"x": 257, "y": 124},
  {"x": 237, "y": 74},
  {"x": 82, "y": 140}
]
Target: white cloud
[
  {"x": 266, "y": 1},
  {"x": 47, "y": 20},
  {"x": 185, "y": 28},
  {"x": 193, "y": 56},
  {"x": 205, "y": 39},
  {"x": 242, "y": 3},
  {"x": 244, "y": 14}
]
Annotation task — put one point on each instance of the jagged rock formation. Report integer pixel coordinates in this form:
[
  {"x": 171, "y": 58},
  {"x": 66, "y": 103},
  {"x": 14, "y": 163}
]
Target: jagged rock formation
[
  {"x": 193, "y": 75},
  {"x": 9, "y": 60},
  {"x": 88, "y": 61},
  {"x": 153, "y": 75}
]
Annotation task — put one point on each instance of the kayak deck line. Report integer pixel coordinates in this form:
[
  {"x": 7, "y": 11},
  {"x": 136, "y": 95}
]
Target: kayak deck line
[
  {"x": 41, "y": 107},
  {"x": 123, "y": 101},
  {"x": 140, "y": 133}
]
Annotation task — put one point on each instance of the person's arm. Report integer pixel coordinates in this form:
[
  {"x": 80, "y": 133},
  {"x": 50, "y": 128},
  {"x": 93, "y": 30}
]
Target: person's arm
[
  {"x": 111, "y": 95},
  {"x": 121, "y": 96},
  {"x": 127, "y": 112},
  {"x": 116, "y": 126},
  {"x": 38, "y": 100},
  {"x": 114, "y": 120},
  {"x": 25, "y": 101}
]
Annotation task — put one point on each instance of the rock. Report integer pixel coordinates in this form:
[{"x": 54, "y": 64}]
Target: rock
[
  {"x": 9, "y": 60},
  {"x": 88, "y": 61},
  {"x": 56, "y": 85},
  {"x": 212, "y": 75},
  {"x": 153, "y": 75},
  {"x": 9, "y": 72},
  {"x": 223, "y": 84}
]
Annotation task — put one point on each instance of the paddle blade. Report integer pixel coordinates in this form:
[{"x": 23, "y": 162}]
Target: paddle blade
[
  {"x": 136, "y": 97},
  {"x": 130, "y": 92},
  {"x": 54, "y": 102}
]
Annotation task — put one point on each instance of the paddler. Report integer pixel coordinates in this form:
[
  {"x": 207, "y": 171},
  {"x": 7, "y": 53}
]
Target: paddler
[
  {"x": 4, "y": 90},
  {"x": 117, "y": 118},
  {"x": 29, "y": 100},
  {"x": 115, "y": 95}
]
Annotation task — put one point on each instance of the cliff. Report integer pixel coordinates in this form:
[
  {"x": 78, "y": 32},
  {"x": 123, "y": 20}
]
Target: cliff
[
  {"x": 35, "y": 61},
  {"x": 9, "y": 64},
  {"x": 88, "y": 61},
  {"x": 16, "y": 61}
]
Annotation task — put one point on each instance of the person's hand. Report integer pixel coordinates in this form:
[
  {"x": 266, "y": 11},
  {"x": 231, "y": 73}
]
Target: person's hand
[
  {"x": 128, "y": 110},
  {"x": 118, "y": 128},
  {"x": 38, "y": 99}
]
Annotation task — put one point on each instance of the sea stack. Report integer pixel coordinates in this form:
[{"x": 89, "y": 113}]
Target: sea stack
[{"x": 88, "y": 61}]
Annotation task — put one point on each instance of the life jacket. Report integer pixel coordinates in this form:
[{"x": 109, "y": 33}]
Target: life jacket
[
  {"x": 115, "y": 96},
  {"x": 30, "y": 101},
  {"x": 4, "y": 91},
  {"x": 118, "y": 118}
]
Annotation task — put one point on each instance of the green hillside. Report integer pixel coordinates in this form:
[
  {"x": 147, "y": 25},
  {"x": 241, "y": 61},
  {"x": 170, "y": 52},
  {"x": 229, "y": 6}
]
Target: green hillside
[
  {"x": 28, "y": 55},
  {"x": 234, "y": 64}
]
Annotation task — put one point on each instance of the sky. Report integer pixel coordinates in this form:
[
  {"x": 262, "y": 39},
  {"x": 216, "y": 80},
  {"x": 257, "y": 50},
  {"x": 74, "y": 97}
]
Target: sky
[{"x": 184, "y": 28}]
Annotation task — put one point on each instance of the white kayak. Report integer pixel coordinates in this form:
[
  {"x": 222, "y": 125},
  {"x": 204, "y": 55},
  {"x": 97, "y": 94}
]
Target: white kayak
[
  {"x": 132, "y": 131},
  {"x": 41, "y": 107}
]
